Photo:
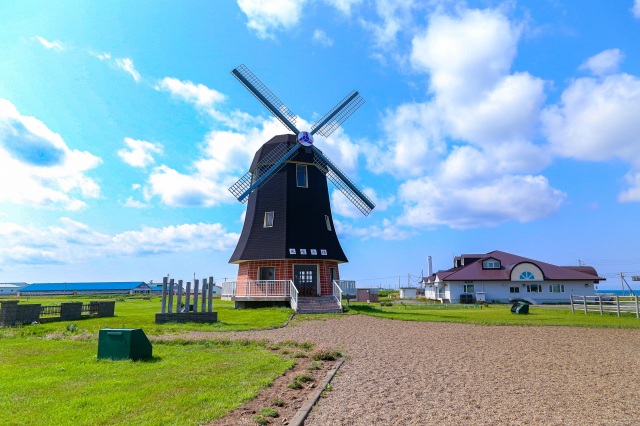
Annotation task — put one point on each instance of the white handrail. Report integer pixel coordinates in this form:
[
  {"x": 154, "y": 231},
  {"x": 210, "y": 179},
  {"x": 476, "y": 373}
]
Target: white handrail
[
  {"x": 293, "y": 291},
  {"x": 337, "y": 293}
]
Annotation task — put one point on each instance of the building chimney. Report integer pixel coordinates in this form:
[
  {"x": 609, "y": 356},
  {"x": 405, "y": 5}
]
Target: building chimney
[{"x": 429, "y": 269}]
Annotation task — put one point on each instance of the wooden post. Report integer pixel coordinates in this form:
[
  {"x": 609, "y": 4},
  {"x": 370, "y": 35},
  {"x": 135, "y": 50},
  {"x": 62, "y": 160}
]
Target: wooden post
[
  {"x": 204, "y": 295},
  {"x": 179, "y": 302},
  {"x": 570, "y": 300},
  {"x": 195, "y": 295},
  {"x": 164, "y": 294},
  {"x": 188, "y": 297},
  {"x": 600, "y": 301},
  {"x": 171, "y": 295},
  {"x": 637, "y": 310},
  {"x": 618, "y": 304},
  {"x": 210, "y": 298}
]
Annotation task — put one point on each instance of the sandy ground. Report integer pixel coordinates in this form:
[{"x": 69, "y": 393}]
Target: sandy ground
[{"x": 411, "y": 373}]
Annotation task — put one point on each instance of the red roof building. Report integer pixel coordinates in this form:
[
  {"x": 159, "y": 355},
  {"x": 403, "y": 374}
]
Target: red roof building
[{"x": 503, "y": 277}]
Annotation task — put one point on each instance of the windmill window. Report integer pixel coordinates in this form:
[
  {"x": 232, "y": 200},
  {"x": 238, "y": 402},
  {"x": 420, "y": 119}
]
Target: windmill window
[
  {"x": 328, "y": 222},
  {"x": 268, "y": 219},
  {"x": 301, "y": 176},
  {"x": 267, "y": 273}
]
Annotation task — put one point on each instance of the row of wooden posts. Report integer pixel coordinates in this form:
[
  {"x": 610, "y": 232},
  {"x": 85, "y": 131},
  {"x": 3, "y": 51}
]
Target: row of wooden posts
[{"x": 170, "y": 288}]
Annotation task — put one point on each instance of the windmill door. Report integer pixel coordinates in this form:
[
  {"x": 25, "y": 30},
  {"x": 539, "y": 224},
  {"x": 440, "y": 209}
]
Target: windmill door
[{"x": 305, "y": 277}]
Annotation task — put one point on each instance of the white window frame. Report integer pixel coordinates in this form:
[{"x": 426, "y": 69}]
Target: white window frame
[
  {"x": 556, "y": 288},
  {"x": 514, "y": 289},
  {"x": 530, "y": 288},
  {"x": 268, "y": 219},
  {"x": 306, "y": 176},
  {"x": 266, "y": 267},
  {"x": 467, "y": 287},
  {"x": 328, "y": 222},
  {"x": 490, "y": 264}
]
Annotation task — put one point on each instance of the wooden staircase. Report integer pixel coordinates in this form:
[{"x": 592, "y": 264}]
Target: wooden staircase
[{"x": 318, "y": 305}]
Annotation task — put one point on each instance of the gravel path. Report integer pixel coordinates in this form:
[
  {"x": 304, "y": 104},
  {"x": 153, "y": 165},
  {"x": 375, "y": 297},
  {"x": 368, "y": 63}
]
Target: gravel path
[{"x": 410, "y": 373}]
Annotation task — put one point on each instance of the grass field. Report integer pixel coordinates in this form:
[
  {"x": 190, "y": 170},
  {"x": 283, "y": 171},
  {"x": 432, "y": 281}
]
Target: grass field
[
  {"x": 495, "y": 315},
  {"x": 49, "y": 373}
]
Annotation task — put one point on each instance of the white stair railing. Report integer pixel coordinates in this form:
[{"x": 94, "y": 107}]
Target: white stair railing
[
  {"x": 337, "y": 293},
  {"x": 293, "y": 301}
]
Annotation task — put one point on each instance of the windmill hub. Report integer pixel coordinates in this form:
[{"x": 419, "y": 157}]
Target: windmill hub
[{"x": 305, "y": 138}]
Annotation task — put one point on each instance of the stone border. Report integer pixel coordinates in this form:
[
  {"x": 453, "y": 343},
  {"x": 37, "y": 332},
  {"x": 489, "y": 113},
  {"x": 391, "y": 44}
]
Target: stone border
[{"x": 303, "y": 412}]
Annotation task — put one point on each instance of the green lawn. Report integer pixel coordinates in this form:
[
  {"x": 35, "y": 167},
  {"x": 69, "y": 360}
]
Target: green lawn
[
  {"x": 60, "y": 382},
  {"x": 494, "y": 315},
  {"x": 140, "y": 313},
  {"x": 50, "y": 374}
]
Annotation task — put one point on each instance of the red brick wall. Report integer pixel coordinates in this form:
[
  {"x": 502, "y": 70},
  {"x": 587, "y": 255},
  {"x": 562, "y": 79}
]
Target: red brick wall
[{"x": 248, "y": 271}]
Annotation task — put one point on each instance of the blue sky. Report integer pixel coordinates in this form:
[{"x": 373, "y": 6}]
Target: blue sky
[{"x": 488, "y": 125}]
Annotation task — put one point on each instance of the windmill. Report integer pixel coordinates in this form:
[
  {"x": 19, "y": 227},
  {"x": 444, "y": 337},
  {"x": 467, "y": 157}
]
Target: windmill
[{"x": 288, "y": 233}]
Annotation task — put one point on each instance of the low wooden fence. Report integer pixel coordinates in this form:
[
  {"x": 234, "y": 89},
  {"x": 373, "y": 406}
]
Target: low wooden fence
[{"x": 604, "y": 303}]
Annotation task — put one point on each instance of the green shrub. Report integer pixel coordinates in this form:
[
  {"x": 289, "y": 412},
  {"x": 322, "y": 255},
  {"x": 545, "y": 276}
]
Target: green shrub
[
  {"x": 269, "y": 412},
  {"x": 295, "y": 385},
  {"x": 326, "y": 355},
  {"x": 260, "y": 420},
  {"x": 277, "y": 402},
  {"x": 304, "y": 378}
]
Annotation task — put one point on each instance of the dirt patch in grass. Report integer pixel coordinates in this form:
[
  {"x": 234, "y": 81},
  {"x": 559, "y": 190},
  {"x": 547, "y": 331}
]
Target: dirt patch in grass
[{"x": 280, "y": 397}]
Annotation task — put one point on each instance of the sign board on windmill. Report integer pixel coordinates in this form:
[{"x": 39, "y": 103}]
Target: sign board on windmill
[{"x": 635, "y": 278}]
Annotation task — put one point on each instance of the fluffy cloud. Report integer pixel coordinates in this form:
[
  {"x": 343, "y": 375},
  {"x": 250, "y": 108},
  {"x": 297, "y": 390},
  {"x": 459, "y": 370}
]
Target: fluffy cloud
[
  {"x": 636, "y": 9},
  {"x": 485, "y": 203},
  {"x": 38, "y": 168},
  {"x": 387, "y": 231},
  {"x": 139, "y": 153},
  {"x": 69, "y": 241},
  {"x": 395, "y": 17},
  {"x": 344, "y": 6},
  {"x": 265, "y": 16},
  {"x": 605, "y": 62},
  {"x": 596, "y": 120}
]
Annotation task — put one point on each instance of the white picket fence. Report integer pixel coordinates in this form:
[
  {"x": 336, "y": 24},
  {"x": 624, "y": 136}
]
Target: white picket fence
[{"x": 603, "y": 303}]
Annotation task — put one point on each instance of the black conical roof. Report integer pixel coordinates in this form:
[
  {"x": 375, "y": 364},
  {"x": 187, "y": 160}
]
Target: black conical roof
[{"x": 300, "y": 214}]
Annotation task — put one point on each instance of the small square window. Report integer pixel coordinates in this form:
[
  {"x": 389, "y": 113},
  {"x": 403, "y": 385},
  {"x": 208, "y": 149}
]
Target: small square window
[
  {"x": 303, "y": 251},
  {"x": 268, "y": 219},
  {"x": 301, "y": 176},
  {"x": 314, "y": 252},
  {"x": 267, "y": 273},
  {"x": 468, "y": 288},
  {"x": 323, "y": 252},
  {"x": 292, "y": 251}
]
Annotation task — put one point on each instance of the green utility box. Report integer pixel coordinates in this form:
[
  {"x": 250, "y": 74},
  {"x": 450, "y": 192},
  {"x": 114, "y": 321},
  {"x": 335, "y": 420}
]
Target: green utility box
[
  {"x": 520, "y": 308},
  {"x": 123, "y": 343}
]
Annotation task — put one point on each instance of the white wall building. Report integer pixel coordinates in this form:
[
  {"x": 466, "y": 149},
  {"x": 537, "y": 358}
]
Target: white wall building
[
  {"x": 505, "y": 277},
  {"x": 10, "y": 289}
]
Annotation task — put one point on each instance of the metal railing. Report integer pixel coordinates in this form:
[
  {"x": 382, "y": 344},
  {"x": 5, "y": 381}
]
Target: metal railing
[
  {"x": 605, "y": 303},
  {"x": 337, "y": 293},
  {"x": 293, "y": 291},
  {"x": 347, "y": 287},
  {"x": 50, "y": 310},
  {"x": 262, "y": 288}
]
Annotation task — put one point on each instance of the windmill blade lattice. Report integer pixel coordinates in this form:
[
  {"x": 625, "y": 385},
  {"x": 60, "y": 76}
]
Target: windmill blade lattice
[
  {"x": 265, "y": 170},
  {"x": 334, "y": 118},
  {"x": 266, "y": 97},
  {"x": 342, "y": 182}
]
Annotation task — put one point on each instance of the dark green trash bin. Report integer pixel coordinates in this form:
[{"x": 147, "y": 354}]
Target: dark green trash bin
[
  {"x": 123, "y": 343},
  {"x": 520, "y": 308}
]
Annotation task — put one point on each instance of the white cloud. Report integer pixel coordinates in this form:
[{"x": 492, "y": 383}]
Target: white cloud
[
  {"x": 267, "y": 16},
  {"x": 38, "y": 168},
  {"x": 139, "y": 153},
  {"x": 632, "y": 194},
  {"x": 605, "y": 62},
  {"x": 388, "y": 231},
  {"x": 72, "y": 242},
  {"x": 342, "y": 206},
  {"x": 126, "y": 64},
  {"x": 395, "y": 18},
  {"x": 322, "y": 38},
  {"x": 486, "y": 203},
  {"x": 596, "y": 120},
  {"x": 636, "y": 9},
  {"x": 344, "y": 6},
  {"x": 53, "y": 45}
]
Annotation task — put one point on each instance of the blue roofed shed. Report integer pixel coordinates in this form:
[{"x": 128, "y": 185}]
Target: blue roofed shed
[{"x": 52, "y": 289}]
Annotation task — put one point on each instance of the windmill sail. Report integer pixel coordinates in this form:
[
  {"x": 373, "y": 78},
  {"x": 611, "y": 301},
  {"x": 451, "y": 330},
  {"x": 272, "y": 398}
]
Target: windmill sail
[
  {"x": 334, "y": 118},
  {"x": 264, "y": 95},
  {"x": 342, "y": 182},
  {"x": 265, "y": 170}
]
